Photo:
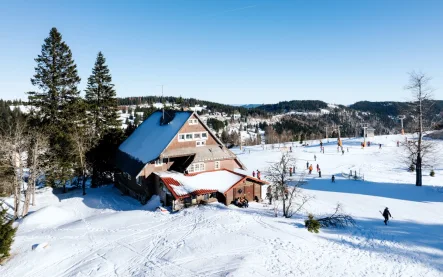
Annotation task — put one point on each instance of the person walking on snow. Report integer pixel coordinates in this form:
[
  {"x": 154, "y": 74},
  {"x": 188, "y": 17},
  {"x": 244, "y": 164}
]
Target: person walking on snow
[
  {"x": 258, "y": 175},
  {"x": 333, "y": 179},
  {"x": 315, "y": 158},
  {"x": 386, "y": 215},
  {"x": 307, "y": 165},
  {"x": 253, "y": 174},
  {"x": 319, "y": 173},
  {"x": 318, "y": 167},
  {"x": 310, "y": 169}
]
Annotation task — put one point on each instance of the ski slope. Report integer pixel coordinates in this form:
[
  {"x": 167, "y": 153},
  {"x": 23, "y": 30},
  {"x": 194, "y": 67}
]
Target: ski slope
[{"x": 107, "y": 234}]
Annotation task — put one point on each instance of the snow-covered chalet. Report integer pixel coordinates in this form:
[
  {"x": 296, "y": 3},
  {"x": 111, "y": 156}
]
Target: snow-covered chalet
[{"x": 173, "y": 154}]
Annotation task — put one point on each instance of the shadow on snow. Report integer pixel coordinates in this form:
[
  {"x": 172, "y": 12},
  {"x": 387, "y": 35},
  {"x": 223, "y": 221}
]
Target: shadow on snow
[{"x": 408, "y": 192}]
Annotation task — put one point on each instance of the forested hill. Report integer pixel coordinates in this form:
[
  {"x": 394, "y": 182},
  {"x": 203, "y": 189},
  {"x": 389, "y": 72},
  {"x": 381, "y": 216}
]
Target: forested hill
[
  {"x": 294, "y": 105},
  {"x": 191, "y": 102},
  {"x": 391, "y": 108}
]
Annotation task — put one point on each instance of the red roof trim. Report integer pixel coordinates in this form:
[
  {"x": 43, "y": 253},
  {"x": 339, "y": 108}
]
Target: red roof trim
[
  {"x": 233, "y": 172},
  {"x": 169, "y": 182}
]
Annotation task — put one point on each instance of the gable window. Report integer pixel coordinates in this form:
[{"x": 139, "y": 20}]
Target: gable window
[
  {"x": 196, "y": 135},
  {"x": 201, "y": 143},
  {"x": 204, "y": 135},
  {"x": 158, "y": 162},
  {"x": 188, "y": 136},
  {"x": 181, "y": 137},
  {"x": 193, "y": 122},
  {"x": 217, "y": 165},
  {"x": 139, "y": 180}
]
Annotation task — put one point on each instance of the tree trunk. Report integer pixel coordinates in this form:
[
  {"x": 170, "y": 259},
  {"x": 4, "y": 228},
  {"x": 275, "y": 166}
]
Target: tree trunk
[
  {"x": 26, "y": 203},
  {"x": 84, "y": 183},
  {"x": 418, "y": 180},
  {"x": 33, "y": 193},
  {"x": 16, "y": 198}
]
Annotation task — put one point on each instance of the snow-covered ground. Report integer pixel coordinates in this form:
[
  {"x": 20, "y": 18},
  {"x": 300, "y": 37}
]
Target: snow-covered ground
[{"x": 107, "y": 234}]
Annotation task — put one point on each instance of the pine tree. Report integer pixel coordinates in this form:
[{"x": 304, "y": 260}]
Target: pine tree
[
  {"x": 56, "y": 77},
  {"x": 101, "y": 97},
  {"x": 56, "y": 102},
  {"x": 7, "y": 233}
]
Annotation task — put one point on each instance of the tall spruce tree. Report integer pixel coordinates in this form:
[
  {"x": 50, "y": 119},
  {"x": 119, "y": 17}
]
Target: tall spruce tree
[
  {"x": 56, "y": 102},
  {"x": 56, "y": 77},
  {"x": 101, "y": 98}
]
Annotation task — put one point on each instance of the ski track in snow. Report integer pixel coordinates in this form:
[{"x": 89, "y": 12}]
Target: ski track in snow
[{"x": 107, "y": 234}]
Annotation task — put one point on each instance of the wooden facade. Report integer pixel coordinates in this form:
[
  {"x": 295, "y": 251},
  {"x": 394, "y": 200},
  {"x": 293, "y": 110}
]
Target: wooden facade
[{"x": 145, "y": 183}]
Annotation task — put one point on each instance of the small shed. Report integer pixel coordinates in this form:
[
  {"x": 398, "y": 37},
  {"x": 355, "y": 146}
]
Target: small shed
[{"x": 180, "y": 190}]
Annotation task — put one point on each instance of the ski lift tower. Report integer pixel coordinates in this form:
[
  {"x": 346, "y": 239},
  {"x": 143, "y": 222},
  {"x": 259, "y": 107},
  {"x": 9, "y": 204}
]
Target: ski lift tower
[
  {"x": 364, "y": 126},
  {"x": 401, "y": 117}
]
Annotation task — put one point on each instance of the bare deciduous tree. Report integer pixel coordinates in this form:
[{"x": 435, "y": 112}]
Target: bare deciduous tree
[
  {"x": 83, "y": 139},
  {"x": 37, "y": 165},
  {"x": 422, "y": 94},
  {"x": 284, "y": 188},
  {"x": 13, "y": 153}
]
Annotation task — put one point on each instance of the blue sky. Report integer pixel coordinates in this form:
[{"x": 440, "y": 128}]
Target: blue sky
[{"x": 234, "y": 51}]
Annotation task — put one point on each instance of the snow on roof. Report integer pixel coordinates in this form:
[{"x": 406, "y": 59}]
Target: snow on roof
[
  {"x": 184, "y": 185},
  {"x": 150, "y": 139}
]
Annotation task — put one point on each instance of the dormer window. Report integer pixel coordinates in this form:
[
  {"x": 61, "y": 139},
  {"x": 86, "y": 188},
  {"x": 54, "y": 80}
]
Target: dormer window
[{"x": 158, "y": 162}]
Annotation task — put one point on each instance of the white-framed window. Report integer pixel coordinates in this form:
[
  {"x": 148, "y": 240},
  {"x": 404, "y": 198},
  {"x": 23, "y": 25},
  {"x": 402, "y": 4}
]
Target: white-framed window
[
  {"x": 197, "y": 135},
  {"x": 196, "y": 167},
  {"x": 158, "y": 162},
  {"x": 217, "y": 165},
  {"x": 204, "y": 135},
  {"x": 139, "y": 180},
  {"x": 188, "y": 136},
  {"x": 193, "y": 122},
  {"x": 181, "y": 137},
  {"x": 200, "y": 143}
]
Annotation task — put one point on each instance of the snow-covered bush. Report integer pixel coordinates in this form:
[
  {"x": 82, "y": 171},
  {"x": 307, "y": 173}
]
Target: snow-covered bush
[{"x": 337, "y": 220}]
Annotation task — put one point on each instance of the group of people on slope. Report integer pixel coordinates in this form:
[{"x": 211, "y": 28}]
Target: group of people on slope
[
  {"x": 258, "y": 174},
  {"x": 241, "y": 202},
  {"x": 310, "y": 168}
]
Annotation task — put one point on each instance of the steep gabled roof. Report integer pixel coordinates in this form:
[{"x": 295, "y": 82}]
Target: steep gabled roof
[{"x": 149, "y": 140}]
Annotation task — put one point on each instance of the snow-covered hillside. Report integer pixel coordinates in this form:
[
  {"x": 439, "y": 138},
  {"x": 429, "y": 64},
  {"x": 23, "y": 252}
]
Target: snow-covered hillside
[{"x": 107, "y": 234}]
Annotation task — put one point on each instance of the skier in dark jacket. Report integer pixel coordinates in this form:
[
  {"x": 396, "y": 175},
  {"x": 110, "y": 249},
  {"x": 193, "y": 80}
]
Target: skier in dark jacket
[
  {"x": 307, "y": 165},
  {"x": 333, "y": 179},
  {"x": 386, "y": 215}
]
